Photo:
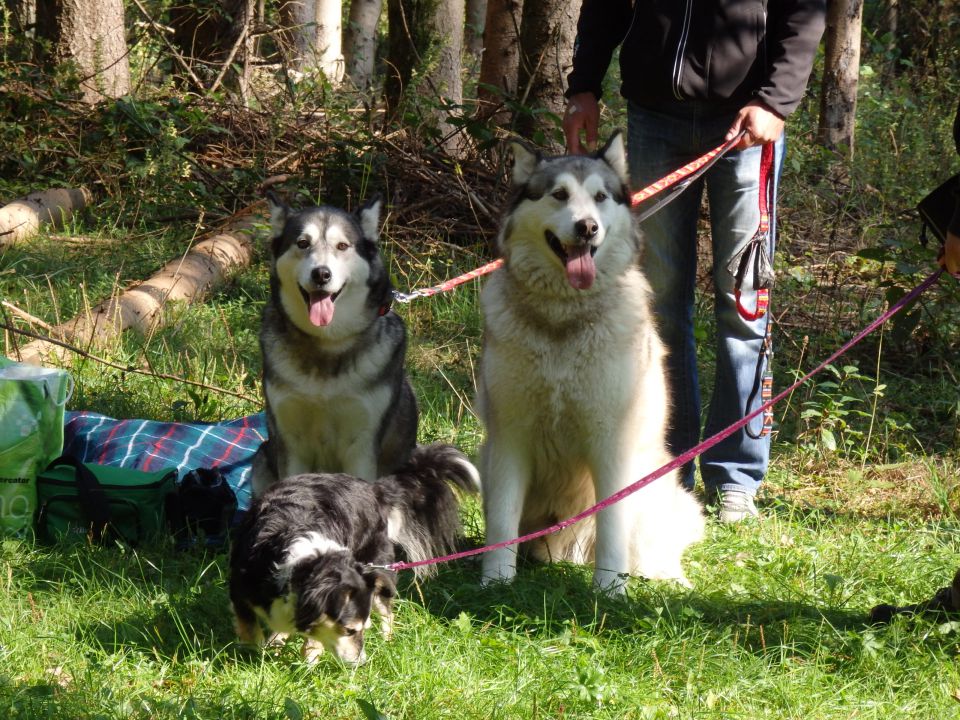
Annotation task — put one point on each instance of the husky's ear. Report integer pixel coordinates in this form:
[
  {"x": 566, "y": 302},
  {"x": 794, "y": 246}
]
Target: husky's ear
[
  {"x": 524, "y": 162},
  {"x": 369, "y": 217},
  {"x": 279, "y": 211},
  {"x": 614, "y": 154}
]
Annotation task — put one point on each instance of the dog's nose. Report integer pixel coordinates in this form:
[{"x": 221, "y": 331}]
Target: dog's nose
[
  {"x": 321, "y": 275},
  {"x": 586, "y": 229}
]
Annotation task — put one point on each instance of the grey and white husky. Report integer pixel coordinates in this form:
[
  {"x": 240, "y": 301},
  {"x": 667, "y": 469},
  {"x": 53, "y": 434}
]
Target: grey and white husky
[
  {"x": 337, "y": 398},
  {"x": 572, "y": 388}
]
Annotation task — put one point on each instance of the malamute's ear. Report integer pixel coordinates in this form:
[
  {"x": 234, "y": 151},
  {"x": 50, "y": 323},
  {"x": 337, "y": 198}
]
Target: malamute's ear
[
  {"x": 614, "y": 154},
  {"x": 279, "y": 211},
  {"x": 369, "y": 218},
  {"x": 524, "y": 162}
]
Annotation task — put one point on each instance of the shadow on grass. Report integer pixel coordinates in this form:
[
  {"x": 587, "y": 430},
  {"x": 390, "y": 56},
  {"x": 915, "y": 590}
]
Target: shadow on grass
[
  {"x": 175, "y": 604},
  {"x": 550, "y": 599}
]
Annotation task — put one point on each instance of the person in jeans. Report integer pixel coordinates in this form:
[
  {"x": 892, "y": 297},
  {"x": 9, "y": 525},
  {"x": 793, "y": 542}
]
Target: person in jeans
[{"x": 696, "y": 74}]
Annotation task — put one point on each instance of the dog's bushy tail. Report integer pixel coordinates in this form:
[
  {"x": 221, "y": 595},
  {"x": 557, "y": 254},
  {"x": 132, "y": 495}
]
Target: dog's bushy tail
[{"x": 425, "y": 519}]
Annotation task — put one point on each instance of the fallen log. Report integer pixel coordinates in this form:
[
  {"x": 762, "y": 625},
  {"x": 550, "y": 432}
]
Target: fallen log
[
  {"x": 185, "y": 279},
  {"x": 23, "y": 217}
]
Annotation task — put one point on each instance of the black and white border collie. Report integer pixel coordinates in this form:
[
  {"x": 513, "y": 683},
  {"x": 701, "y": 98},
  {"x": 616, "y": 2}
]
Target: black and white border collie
[{"x": 308, "y": 556}]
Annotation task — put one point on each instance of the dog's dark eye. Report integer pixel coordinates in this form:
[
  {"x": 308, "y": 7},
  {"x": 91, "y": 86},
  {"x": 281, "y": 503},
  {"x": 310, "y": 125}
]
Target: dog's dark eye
[
  {"x": 600, "y": 196},
  {"x": 560, "y": 194},
  {"x": 348, "y": 631},
  {"x": 342, "y": 246},
  {"x": 303, "y": 242}
]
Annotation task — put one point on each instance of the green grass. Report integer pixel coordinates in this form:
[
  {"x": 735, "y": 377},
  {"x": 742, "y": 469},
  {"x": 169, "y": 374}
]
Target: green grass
[{"x": 775, "y": 628}]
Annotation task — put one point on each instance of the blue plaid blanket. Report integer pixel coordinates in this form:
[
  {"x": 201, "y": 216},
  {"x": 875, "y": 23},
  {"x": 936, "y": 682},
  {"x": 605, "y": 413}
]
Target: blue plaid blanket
[{"x": 151, "y": 445}]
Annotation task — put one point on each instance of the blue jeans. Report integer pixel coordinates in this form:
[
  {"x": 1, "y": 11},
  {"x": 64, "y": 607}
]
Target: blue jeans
[{"x": 658, "y": 142}]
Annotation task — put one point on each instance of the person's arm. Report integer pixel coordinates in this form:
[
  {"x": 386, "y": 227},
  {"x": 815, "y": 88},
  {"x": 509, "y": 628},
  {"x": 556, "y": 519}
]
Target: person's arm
[
  {"x": 793, "y": 34},
  {"x": 601, "y": 27}
]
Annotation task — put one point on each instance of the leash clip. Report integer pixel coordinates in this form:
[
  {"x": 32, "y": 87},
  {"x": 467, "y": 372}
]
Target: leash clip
[{"x": 402, "y": 297}]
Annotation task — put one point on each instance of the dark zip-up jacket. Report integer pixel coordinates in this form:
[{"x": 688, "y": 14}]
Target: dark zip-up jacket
[{"x": 728, "y": 52}]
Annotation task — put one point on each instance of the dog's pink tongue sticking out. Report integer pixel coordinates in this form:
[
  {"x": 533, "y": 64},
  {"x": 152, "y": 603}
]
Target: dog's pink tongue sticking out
[
  {"x": 581, "y": 270},
  {"x": 321, "y": 308}
]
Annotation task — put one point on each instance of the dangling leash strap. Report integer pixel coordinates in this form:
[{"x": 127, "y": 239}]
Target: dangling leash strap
[
  {"x": 755, "y": 260},
  {"x": 755, "y": 256}
]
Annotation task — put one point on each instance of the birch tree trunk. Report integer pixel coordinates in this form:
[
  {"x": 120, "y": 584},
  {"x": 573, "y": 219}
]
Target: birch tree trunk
[
  {"x": 360, "y": 41},
  {"x": 92, "y": 35},
  {"x": 841, "y": 73},
  {"x": 313, "y": 28}
]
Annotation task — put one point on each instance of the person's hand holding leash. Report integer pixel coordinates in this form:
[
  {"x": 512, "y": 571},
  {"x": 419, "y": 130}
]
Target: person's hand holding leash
[
  {"x": 758, "y": 123},
  {"x": 949, "y": 257},
  {"x": 583, "y": 113}
]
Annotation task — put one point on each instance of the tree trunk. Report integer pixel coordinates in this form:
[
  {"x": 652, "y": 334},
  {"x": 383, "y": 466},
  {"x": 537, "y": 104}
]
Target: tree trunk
[
  {"x": 210, "y": 34},
  {"x": 360, "y": 41},
  {"x": 426, "y": 35},
  {"x": 23, "y": 217},
  {"x": 20, "y": 44},
  {"x": 183, "y": 279},
  {"x": 92, "y": 35},
  {"x": 476, "y": 17},
  {"x": 314, "y": 33},
  {"x": 501, "y": 58},
  {"x": 841, "y": 71}
]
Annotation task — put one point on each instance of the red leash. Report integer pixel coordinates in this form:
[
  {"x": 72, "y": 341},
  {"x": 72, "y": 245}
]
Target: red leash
[
  {"x": 689, "y": 454},
  {"x": 688, "y": 173}
]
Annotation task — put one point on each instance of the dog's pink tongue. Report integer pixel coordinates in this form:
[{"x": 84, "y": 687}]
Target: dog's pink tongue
[
  {"x": 321, "y": 308},
  {"x": 581, "y": 271}
]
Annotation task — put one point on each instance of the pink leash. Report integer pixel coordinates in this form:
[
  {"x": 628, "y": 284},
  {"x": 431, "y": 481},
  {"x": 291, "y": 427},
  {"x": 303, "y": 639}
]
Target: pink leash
[{"x": 689, "y": 454}]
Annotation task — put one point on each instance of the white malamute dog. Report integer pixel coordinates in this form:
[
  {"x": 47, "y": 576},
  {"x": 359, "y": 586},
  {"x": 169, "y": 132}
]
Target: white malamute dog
[{"x": 572, "y": 388}]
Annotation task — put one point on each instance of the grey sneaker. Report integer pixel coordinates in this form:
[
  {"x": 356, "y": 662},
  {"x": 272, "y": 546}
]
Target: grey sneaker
[{"x": 735, "y": 506}]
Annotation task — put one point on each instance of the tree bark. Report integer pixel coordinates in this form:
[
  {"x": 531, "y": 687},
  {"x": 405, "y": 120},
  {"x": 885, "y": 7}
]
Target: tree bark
[
  {"x": 547, "y": 33},
  {"x": 500, "y": 60},
  {"x": 184, "y": 279},
  {"x": 20, "y": 45},
  {"x": 92, "y": 35},
  {"x": 426, "y": 35},
  {"x": 360, "y": 41},
  {"x": 210, "y": 34},
  {"x": 23, "y": 217},
  {"x": 314, "y": 33},
  {"x": 476, "y": 18},
  {"x": 841, "y": 72}
]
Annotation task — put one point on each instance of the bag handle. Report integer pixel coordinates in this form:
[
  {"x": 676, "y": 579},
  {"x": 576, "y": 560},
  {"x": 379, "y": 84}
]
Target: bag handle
[{"x": 92, "y": 498}]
